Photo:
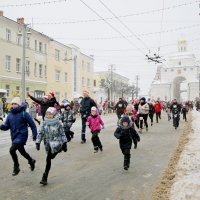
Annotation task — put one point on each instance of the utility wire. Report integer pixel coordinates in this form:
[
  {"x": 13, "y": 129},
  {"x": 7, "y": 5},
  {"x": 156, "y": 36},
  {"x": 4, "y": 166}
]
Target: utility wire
[
  {"x": 32, "y": 4},
  {"x": 130, "y": 42},
  {"x": 108, "y": 18},
  {"x": 161, "y": 24},
  {"x": 129, "y": 36},
  {"x": 123, "y": 23}
]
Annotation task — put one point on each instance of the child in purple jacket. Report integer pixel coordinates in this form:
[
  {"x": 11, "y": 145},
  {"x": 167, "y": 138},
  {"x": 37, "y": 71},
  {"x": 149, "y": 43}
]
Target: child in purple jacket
[{"x": 95, "y": 124}]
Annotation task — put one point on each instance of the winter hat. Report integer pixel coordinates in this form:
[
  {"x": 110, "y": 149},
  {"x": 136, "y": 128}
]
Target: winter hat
[
  {"x": 125, "y": 119},
  {"x": 52, "y": 110},
  {"x": 16, "y": 100},
  {"x": 94, "y": 108},
  {"x": 143, "y": 98}
]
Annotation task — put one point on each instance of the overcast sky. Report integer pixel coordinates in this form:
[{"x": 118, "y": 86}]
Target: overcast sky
[{"x": 118, "y": 32}]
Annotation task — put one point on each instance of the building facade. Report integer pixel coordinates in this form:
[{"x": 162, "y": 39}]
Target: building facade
[
  {"x": 49, "y": 64},
  {"x": 178, "y": 78},
  {"x": 110, "y": 85}
]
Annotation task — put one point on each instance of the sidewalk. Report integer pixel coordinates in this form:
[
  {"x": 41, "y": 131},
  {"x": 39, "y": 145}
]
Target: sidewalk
[{"x": 187, "y": 177}]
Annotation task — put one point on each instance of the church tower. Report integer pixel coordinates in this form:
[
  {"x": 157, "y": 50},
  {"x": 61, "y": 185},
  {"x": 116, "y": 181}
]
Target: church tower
[{"x": 182, "y": 45}]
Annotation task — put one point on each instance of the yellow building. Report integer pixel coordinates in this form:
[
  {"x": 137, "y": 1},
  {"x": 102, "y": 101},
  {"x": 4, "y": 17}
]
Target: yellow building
[
  {"x": 50, "y": 65},
  {"x": 11, "y": 51}
]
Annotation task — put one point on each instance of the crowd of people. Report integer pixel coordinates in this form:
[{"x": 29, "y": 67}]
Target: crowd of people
[{"x": 57, "y": 120}]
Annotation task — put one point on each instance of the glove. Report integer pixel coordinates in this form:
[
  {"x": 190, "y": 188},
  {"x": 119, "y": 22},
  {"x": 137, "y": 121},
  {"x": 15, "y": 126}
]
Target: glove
[
  {"x": 102, "y": 127},
  {"x": 64, "y": 147},
  {"x": 34, "y": 138},
  {"x": 28, "y": 94},
  {"x": 52, "y": 94},
  {"x": 135, "y": 146},
  {"x": 37, "y": 146}
]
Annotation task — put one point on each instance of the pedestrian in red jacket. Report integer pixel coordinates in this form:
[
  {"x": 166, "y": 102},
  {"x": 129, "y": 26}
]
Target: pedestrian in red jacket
[{"x": 158, "y": 109}]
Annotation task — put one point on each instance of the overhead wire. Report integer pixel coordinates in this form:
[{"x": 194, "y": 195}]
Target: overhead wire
[
  {"x": 121, "y": 22},
  {"x": 110, "y": 25},
  {"x": 110, "y": 18},
  {"x": 31, "y": 4}
]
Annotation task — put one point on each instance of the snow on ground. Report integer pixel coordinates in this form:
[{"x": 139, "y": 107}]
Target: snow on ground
[{"x": 187, "y": 181}]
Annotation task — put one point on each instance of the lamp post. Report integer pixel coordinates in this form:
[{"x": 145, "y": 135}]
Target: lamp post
[{"x": 23, "y": 78}]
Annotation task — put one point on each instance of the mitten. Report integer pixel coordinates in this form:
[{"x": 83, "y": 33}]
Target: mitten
[
  {"x": 64, "y": 147},
  {"x": 34, "y": 138},
  {"x": 37, "y": 146}
]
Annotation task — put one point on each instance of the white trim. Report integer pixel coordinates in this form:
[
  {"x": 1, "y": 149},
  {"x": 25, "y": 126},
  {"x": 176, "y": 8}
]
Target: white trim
[{"x": 14, "y": 78}]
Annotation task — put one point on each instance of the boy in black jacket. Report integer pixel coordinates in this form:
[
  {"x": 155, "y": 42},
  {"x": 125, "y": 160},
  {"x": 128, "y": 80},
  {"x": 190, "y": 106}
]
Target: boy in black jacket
[{"x": 126, "y": 134}]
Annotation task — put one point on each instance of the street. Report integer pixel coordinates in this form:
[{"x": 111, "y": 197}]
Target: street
[{"x": 79, "y": 174}]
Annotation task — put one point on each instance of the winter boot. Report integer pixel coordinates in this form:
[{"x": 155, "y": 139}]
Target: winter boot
[
  {"x": 32, "y": 164},
  {"x": 16, "y": 170},
  {"x": 96, "y": 149},
  {"x": 44, "y": 179}
]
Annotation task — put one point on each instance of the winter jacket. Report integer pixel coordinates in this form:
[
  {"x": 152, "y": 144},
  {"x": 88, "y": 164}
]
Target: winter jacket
[
  {"x": 17, "y": 121},
  {"x": 85, "y": 106},
  {"x": 143, "y": 109},
  {"x": 52, "y": 133},
  {"x": 33, "y": 111},
  {"x": 126, "y": 136},
  {"x": 94, "y": 123},
  {"x": 45, "y": 104},
  {"x": 120, "y": 107},
  {"x": 68, "y": 118},
  {"x": 157, "y": 107}
]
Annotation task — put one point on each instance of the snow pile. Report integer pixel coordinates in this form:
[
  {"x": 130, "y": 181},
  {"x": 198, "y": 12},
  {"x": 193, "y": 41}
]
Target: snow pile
[{"x": 187, "y": 182}]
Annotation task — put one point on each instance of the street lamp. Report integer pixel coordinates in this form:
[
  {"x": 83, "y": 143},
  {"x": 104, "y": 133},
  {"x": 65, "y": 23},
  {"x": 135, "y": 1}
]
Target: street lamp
[{"x": 23, "y": 34}]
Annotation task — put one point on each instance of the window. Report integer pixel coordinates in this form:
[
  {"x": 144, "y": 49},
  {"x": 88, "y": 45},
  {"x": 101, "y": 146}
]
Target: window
[
  {"x": 57, "y": 75},
  {"x": 28, "y": 42},
  {"x": 8, "y": 34},
  {"x": 57, "y": 55},
  {"x": 172, "y": 70},
  {"x": 65, "y": 77},
  {"x": 165, "y": 70},
  {"x": 45, "y": 48},
  {"x": 17, "y": 90},
  {"x": 27, "y": 69},
  {"x": 7, "y": 88},
  {"x": 40, "y": 47},
  {"x": 95, "y": 83},
  {"x": 82, "y": 63},
  {"x": 88, "y": 82},
  {"x": 83, "y": 81},
  {"x": 35, "y": 69},
  {"x": 19, "y": 40},
  {"x": 8, "y": 63},
  {"x": 184, "y": 69},
  {"x": 191, "y": 68},
  {"x": 179, "y": 62},
  {"x": 88, "y": 67},
  {"x": 57, "y": 94},
  {"x": 45, "y": 71},
  {"x": 27, "y": 89},
  {"x": 35, "y": 45},
  {"x": 40, "y": 70},
  {"x": 18, "y": 64}
]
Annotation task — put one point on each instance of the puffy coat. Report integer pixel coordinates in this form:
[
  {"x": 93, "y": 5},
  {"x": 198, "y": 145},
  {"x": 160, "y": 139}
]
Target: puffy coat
[
  {"x": 157, "y": 107},
  {"x": 45, "y": 104},
  {"x": 52, "y": 133},
  {"x": 94, "y": 122},
  {"x": 17, "y": 121},
  {"x": 126, "y": 136},
  {"x": 68, "y": 118},
  {"x": 85, "y": 105}
]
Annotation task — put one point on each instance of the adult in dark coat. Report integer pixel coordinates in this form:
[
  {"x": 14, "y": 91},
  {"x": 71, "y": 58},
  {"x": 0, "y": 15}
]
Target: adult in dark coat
[
  {"x": 17, "y": 122},
  {"x": 48, "y": 101},
  {"x": 120, "y": 107},
  {"x": 85, "y": 109}
]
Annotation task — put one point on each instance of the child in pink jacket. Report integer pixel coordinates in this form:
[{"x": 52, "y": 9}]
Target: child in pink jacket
[{"x": 95, "y": 124}]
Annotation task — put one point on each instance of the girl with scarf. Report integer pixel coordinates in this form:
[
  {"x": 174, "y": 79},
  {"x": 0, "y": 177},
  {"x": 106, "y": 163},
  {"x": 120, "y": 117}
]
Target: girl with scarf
[{"x": 54, "y": 139}]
